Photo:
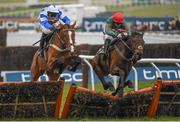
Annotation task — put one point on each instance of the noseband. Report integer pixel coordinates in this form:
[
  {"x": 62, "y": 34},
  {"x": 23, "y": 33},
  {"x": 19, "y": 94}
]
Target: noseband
[{"x": 62, "y": 41}]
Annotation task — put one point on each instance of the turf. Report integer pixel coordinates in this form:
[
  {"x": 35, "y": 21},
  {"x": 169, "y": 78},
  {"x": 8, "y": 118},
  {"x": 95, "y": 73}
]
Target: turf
[{"x": 132, "y": 11}]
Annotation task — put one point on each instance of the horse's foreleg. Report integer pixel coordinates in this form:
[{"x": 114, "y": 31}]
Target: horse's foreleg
[
  {"x": 129, "y": 84},
  {"x": 100, "y": 75},
  {"x": 35, "y": 77},
  {"x": 120, "y": 88},
  {"x": 52, "y": 76},
  {"x": 35, "y": 72}
]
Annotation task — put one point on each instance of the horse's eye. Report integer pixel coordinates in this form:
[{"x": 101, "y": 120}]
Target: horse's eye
[{"x": 140, "y": 47}]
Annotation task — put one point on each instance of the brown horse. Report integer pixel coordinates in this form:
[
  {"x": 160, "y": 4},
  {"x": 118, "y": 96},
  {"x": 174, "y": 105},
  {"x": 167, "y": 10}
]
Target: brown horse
[
  {"x": 123, "y": 54},
  {"x": 58, "y": 54}
]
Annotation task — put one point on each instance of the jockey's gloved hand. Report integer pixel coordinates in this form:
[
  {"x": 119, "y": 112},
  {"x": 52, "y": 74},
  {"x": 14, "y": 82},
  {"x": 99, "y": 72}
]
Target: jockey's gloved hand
[
  {"x": 119, "y": 35},
  {"x": 125, "y": 34},
  {"x": 56, "y": 25}
]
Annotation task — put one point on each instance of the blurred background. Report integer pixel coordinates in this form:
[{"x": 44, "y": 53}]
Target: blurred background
[
  {"x": 145, "y": 15},
  {"x": 19, "y": 28}
]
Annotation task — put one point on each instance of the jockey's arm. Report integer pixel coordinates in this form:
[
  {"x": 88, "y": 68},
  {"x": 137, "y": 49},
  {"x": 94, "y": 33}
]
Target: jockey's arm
[
  {"x": 47, "y": 25},
  {"x": 124, "y": 27},
  {"x": 65, "y": 19},
  {"x": 110, "y": 31}
]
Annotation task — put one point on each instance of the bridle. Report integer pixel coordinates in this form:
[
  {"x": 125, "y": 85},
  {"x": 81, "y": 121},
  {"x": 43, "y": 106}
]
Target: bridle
[
  {"x": 130, "y": 51},
  {"x": 62, "y": 41}
]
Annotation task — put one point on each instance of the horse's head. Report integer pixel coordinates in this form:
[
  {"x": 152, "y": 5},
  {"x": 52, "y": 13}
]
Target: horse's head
[
  {"x": 64, "y": 37},
  {"x": 136, "y": 43},
  {"x": 72, "y": 62}
]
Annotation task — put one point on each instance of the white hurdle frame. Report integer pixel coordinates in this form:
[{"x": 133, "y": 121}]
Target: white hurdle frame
[{"x": 152, "y": 61}]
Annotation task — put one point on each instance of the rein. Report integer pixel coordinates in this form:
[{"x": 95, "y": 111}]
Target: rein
[
  {"x": 121, "y": 54},
  {"x": 62, "y": 42},
  {"x": 125, "y": 44}
]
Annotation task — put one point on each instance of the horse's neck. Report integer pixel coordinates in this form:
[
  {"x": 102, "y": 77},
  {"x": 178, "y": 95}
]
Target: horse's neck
[{"x": 123, "y": 49}]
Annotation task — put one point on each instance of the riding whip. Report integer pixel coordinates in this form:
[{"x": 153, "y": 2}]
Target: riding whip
[{"x": 41, "y": 39}]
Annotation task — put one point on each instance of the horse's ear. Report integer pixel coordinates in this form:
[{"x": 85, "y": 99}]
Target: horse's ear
[
  {"x": 138, "y": 33},
  {"x": 73, "y": 25},
  {"x": 141, "y": 33}
]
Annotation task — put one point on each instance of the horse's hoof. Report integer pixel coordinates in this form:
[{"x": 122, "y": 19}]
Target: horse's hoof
[
  {"x": 129, "y": 84},
  {"x": 120, "y": 94},
  {"x": 111, "y": 87},
  {"x": 113, "y": 93},
  {"x": 56, "y": 71},
  {"x": 62, "y": 78}
]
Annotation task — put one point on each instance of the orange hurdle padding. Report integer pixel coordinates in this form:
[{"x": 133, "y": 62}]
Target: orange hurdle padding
[
  {"x": 81, "y": 89},
  {"x": 74, "y": 89},
  {"x": 67, "y": 104},
  {"x": 59, "y": 101},
  {"x": 141, "y": 91},
  {"x": 154, "y": 104},
  {"x": 171, "y": 82},
  {"x": 2, "y": 83},
  {"x": 155, "y": 101}
]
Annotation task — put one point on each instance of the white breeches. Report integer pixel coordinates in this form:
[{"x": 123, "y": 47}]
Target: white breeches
[{"x": 107, "y": 37}]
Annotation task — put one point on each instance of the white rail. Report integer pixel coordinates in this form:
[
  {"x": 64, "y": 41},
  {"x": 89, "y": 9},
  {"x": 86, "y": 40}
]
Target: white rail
[
  {"x": 17, "y": 38},
  {"x": 152, "y": 61}
]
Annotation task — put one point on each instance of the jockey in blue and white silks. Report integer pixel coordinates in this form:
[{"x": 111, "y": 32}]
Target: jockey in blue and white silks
[
  {"x": 50, "y": 15},
  {"x": 49, "y": 19}
]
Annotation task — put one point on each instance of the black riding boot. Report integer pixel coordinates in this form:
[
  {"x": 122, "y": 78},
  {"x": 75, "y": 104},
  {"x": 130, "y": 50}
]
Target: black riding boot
[
  {"x": 42, "y": 45},
  {"x": 106, "y": 45}
]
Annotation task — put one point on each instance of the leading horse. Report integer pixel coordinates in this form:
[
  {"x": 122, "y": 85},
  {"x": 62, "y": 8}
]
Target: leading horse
[
  {"x": 123, "y": 54},
  {"x": 59, "y": 54}
]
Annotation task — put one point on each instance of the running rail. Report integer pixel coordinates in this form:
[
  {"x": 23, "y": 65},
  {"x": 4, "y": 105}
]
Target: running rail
[{"x": 152, "y": 61}]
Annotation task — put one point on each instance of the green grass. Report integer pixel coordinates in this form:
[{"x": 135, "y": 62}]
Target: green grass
[
  {"x": 133, "y": 11},
  {"x": 149, "y": 10},
  {"x": 23, "y": 1},
  {"x": 12, "y": 1}
]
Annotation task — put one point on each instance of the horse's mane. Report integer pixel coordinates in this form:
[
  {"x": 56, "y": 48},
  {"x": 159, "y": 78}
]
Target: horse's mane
[
  {"x": 139, "y": 34},
  {"x": 134, "y": 35}
]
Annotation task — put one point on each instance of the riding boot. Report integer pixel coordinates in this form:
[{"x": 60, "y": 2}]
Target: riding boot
[
  {"x": 106, "y": 45},
  {"x": 41, "y": 49},
  {"x": 42, "y": 45}
]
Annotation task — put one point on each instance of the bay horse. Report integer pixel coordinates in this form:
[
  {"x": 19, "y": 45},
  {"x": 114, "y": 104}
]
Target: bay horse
[
  {"x": 123, "y": 54},
  {"x": 58, "y": 55}
]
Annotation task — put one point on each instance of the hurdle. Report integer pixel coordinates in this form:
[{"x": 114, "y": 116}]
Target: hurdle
[
  {"x": 151, "y": 98},
  {"x": 30, "y": 99},
  {"x": 74, "y": 90}
]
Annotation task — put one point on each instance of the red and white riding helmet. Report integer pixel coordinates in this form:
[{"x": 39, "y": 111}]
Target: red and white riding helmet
[{"x": 118, "y": 17}]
